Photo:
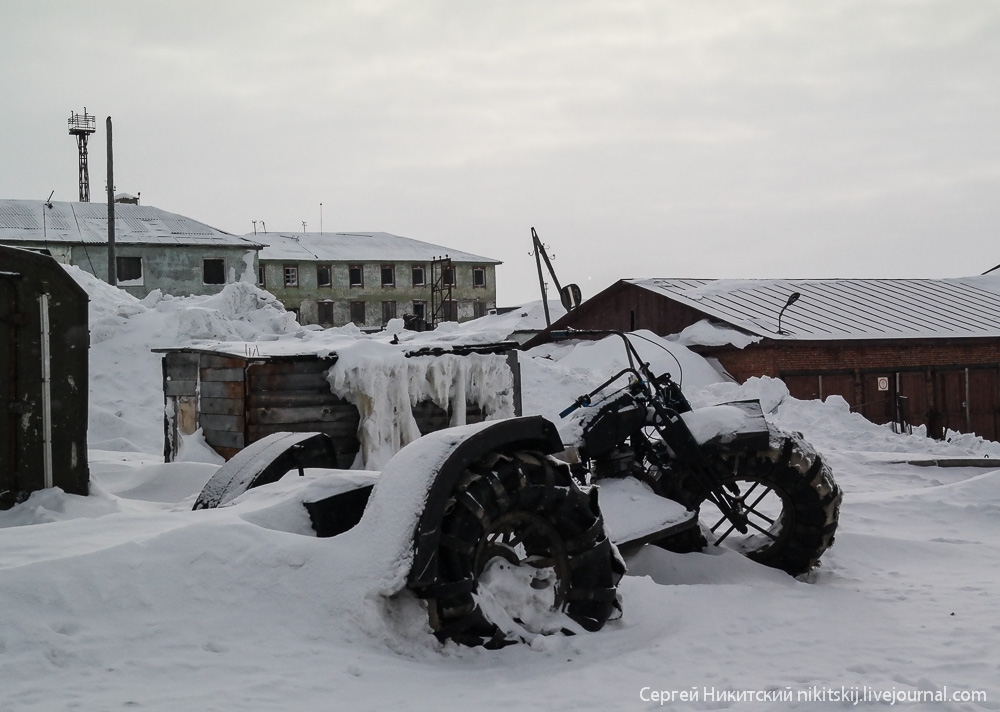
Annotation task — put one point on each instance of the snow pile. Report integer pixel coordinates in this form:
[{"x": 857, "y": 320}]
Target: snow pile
[
  {"x": 705, "y": 333},
  {"x": 385, "y": 385},
  {"x": 126, "y": 392},
  {"x": 240, "y": 312},
  {"x": 525, "y": 318},
  {"x": 831, "y": 425}
]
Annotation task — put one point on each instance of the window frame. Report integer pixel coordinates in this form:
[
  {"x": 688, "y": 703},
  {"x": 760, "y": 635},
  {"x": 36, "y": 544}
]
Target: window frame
[
  {"x": 454, "y": 276},
  {"x": 354, "y": 305},
  {"x": 391, "y": 269},
  {"x": 329, "y": 276},
  {"x": 321, "y": 306},
  {"x": 478, "y": 271},
  {"x": 388, "y": 306},
  {"x": 423, "y": 276},
  {"x": 286, "y": 271},
  {"x": 204, "y": 267},
  {"x": 361, "y": 276}
]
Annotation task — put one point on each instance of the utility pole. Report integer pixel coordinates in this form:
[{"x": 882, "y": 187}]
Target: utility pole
[{"x": 112, "y": 266}]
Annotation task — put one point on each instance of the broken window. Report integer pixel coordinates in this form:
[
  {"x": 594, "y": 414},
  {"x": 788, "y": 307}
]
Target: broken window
[
  {"x": 418, "y": 276},
  {"x": 356, "y": 276},
  {"x": 420, "y": 310},
  {"x": 291, "y": 276},
  {"x": 261, "y": 274},
  {"x": 129, "y": 269},
  {"x": 213, "y": 270},
  {"x": 388, "y": 276},
  {"x": 478, "y": 276},
  {"x": 323, "y": 276},
  {"x": 448, "y": 277}
]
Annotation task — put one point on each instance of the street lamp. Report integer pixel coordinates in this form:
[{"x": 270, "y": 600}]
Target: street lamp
[{"x": 792, "y": 298}]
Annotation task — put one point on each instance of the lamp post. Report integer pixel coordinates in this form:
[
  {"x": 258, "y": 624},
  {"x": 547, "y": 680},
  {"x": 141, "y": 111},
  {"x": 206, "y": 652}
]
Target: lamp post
[{"x": 792, "y": 298}]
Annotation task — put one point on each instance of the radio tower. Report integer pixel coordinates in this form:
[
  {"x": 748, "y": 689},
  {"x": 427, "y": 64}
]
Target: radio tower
[{"x": 82, "y": 126}]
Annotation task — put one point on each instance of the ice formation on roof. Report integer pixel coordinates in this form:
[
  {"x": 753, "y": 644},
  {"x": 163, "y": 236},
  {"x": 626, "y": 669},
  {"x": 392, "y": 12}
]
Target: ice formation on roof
[{"x": 385, "y": 384}]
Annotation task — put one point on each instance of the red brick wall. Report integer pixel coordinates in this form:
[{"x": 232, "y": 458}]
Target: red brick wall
[
  {"x": 780, "y": 358},
  {"x": 951, "y": 384}
]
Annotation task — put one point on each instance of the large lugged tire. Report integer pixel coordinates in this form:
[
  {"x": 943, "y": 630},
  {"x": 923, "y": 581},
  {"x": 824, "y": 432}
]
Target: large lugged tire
[
  {"x": 792, "y": 502},
  {"x": 519, "y": 534}
]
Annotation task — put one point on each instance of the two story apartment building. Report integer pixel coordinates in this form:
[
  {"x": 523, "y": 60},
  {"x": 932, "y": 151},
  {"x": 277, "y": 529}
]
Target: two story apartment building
[{"x": 368, "y": 278}]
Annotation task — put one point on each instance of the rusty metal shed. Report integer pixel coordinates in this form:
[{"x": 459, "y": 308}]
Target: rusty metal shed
[{"x": 44, "y": 340}]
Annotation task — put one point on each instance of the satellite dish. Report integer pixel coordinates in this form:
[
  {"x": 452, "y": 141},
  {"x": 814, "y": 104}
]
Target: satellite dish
[{"x": 570, "y": 296}]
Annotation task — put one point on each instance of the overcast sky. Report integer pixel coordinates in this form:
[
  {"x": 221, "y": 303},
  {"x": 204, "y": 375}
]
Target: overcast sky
[{"x": 784, "y": 138}]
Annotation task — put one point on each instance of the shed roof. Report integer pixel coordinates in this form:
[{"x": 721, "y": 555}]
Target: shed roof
[
  {"x": 24, "y": 221},
  {"x": 356, "y": 246},
  {"x": 844, "y": 308}
]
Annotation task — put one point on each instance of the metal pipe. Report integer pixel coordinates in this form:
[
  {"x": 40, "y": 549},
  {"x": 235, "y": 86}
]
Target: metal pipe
[{"x": 43, "y": 309}]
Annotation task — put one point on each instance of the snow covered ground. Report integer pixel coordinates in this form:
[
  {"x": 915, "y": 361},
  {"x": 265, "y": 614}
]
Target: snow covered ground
[{"x": 128, "y": 600}]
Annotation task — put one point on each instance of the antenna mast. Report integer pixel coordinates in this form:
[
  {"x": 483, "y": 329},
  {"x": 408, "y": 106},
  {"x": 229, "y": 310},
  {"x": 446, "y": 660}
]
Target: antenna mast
[{"x": 82, "y": 126}]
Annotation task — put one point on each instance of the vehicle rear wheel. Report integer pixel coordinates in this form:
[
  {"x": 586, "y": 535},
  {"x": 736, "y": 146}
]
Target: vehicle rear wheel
[{"x": 522, "y": 551}]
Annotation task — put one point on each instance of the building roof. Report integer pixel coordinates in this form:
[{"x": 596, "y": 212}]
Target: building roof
[
  {"x": 356, "y": 247},
  {"x": 844, "y": 308},
  {"x": 23, "y": 221}
]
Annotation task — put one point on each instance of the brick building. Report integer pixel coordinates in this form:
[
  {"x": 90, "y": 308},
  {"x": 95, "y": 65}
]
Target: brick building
[{"x": 917, "y": 351}]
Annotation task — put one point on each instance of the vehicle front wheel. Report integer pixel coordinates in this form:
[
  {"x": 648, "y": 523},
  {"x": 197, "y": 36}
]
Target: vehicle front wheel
[
  {"x": 521, "y": 551},
  {"x": 789, "y": 497}
]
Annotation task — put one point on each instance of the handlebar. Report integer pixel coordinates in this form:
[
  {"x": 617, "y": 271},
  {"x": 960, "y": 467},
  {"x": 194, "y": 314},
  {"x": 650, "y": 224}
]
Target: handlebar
[{"x": 580, "y": 402}]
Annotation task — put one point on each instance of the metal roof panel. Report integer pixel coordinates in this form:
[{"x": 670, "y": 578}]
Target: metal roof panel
[
  {"x": 844, "y": 308},
  {"x": 76, "y": 223}
]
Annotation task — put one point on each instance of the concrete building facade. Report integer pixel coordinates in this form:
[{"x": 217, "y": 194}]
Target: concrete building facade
[{"x": 333, "y": 279}]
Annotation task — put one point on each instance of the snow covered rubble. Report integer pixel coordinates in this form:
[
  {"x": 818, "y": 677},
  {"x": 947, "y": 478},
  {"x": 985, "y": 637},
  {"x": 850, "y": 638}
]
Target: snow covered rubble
[{"x": 128, "y": 599}]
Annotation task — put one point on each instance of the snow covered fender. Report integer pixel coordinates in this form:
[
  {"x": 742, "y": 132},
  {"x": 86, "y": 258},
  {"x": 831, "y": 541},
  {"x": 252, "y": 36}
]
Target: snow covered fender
[
  {"x": 736, "y": 425},
  {"x": 266, "y": 461}
]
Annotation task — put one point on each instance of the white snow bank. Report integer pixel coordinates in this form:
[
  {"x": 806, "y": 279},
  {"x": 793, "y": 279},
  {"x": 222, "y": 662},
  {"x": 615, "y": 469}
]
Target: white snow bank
[
  {"x": 831, "y": 424},
  {"x": 530, "y": 316},
  {"x": 718, "y": 421},
  {"x": 126, "y": 393},
  {"x": 705, "y": 333}
]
